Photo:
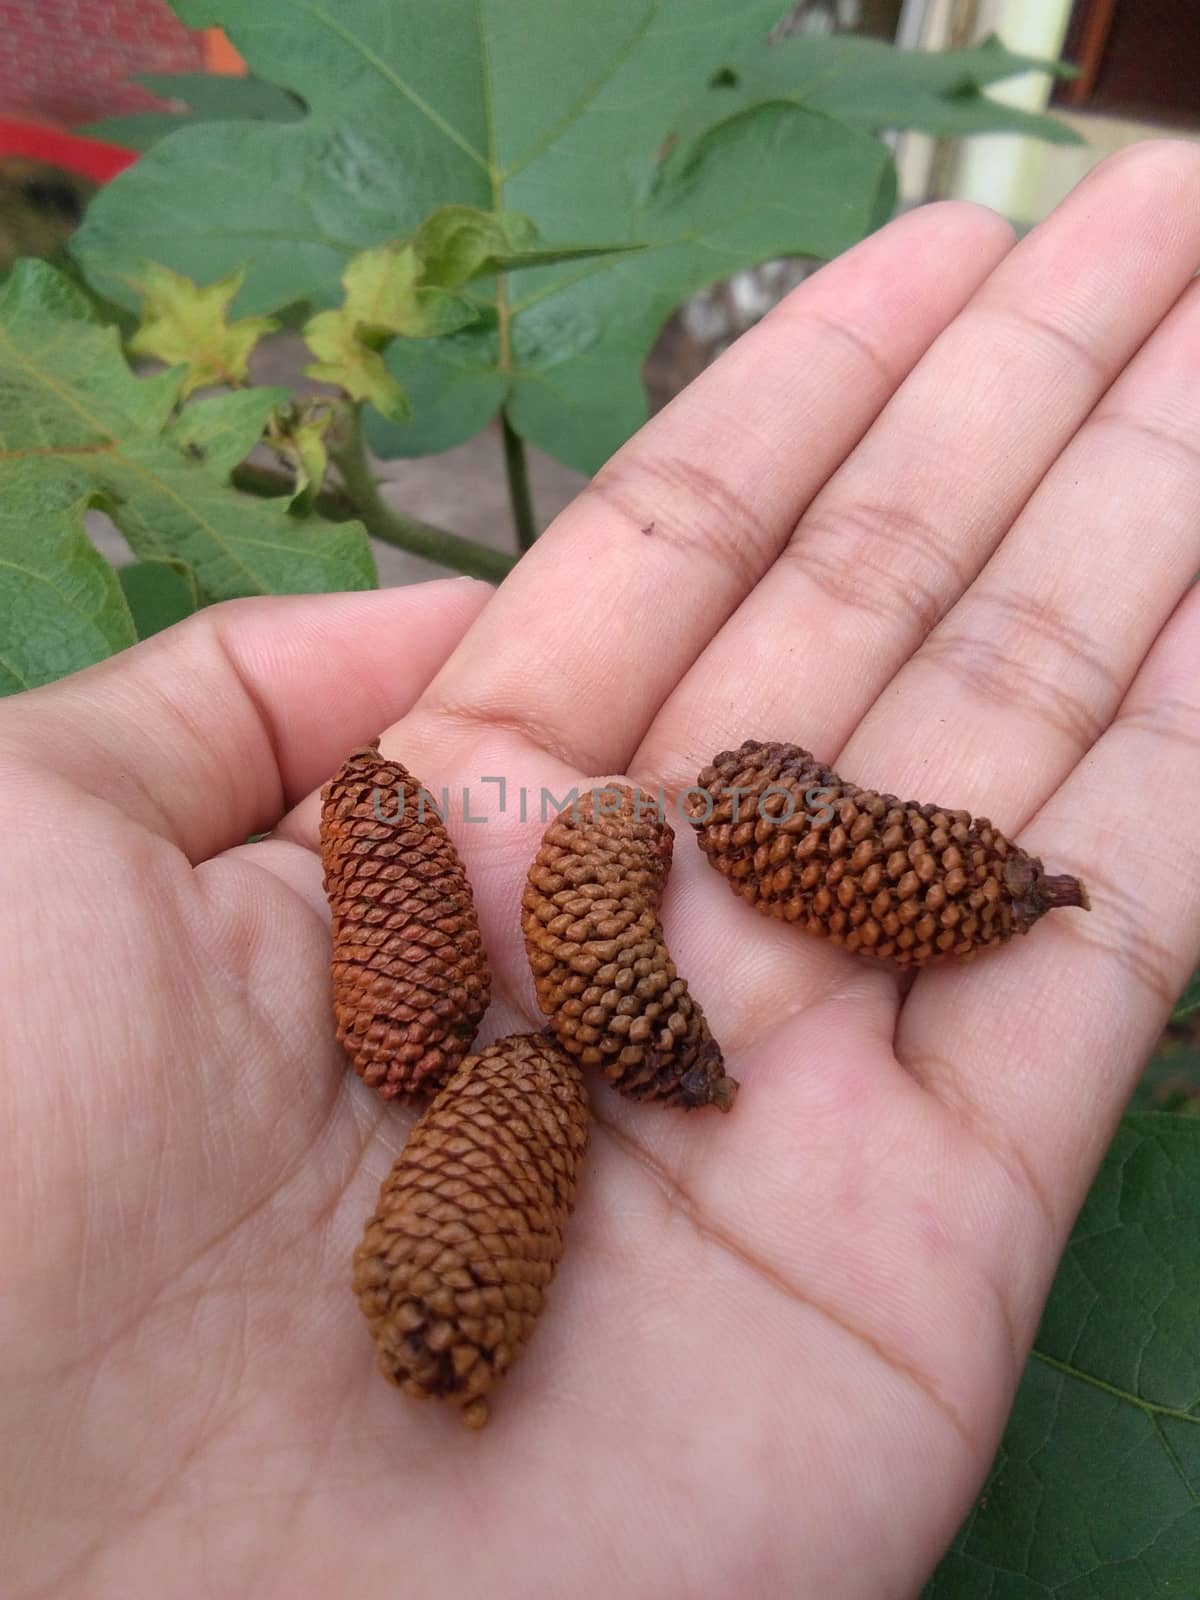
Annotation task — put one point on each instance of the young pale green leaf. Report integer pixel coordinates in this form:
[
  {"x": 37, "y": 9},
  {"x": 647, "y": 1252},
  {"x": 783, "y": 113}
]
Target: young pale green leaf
[
  {"x": 1096, "y": 1488},
  {"x": 309, "y": 455},
  {"x": 61, "y": 607},
  {"x": 76, "y": 424},
  {"x": 458, "y": 243},
  {"x": 199, "y": 97},
  {"x": 380, "y": 285},
  {"x": 871, "y": 85},
  {"x": 158, "y": 594},
  {"x": 385, "y": 297},
  {"x": 185, "y": 324},
  {"x": 1189, "y": 1000},
  {"x": 297, "y": 432},
  {"x": 345, "y": 358},
  {"x": 412, "y": 107}
]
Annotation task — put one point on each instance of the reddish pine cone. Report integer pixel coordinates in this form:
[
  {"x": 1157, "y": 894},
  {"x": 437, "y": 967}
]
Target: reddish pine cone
[
  {"x": 602, "y": 971},
  {"x": 410, "y": 977},
  {"x": 890, "y": 878},
  {"x": 453, "y": 1267}
]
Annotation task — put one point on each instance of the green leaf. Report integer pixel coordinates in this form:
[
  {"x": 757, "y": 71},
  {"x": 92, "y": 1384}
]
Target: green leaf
[
  {"x": 186, "y": 324},
  {"x": 458, "y": 243},
  {"x": 158, "y": 594},
  {"x": 1095, "y": 1493},
  {"x": 345, "y": 358},
  {"x": 297, "y": 432},
  {"x": 309, "y": 455},
  {"x": 201, "y": 97},
  {"x": 556, "y": 112},
  {"x": 385, "y": 296},
  {"x": 1189, "y": 1000},
  {"x": 871, "y": 85},
  {"x": 774, "y": 181},
  {"x": 61, "y": 607},
  {"x": 222, "y": 429},
  {"x": 76, "y": 424},
  {"x": 402, "y": 288}
]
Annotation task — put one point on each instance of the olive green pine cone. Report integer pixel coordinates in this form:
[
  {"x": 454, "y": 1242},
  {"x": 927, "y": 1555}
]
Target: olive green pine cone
[{"x": 890, "y": 878}]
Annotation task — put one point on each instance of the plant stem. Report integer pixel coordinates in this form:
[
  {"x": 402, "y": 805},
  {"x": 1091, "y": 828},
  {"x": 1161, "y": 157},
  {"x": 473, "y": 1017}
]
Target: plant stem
[
  {"x": 419, "y": 538},
  {"x": 516, "y": 466},
  {"x": 268, "y": 482}
]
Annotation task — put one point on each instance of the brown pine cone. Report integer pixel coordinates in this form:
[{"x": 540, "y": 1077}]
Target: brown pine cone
[
  {"x": 453, "y": 1267},
  {"x": 601, "y": 969},
  {"x": 890, "y": 878},
  {"x": 410, "y": 976}
]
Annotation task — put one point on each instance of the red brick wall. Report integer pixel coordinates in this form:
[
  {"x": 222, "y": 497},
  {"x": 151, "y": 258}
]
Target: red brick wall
[{"x": 68, "y": 61}]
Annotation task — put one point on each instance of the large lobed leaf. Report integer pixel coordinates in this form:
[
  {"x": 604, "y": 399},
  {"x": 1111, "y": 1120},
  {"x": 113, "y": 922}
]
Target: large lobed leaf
[
  {"x": 868, "y": 84},
  {"x": 1095, "y": 1493},
  {"x": 78, "y": 428},
  {"x": 553, "y": 110},
  {"x": 559, "y": 111}
]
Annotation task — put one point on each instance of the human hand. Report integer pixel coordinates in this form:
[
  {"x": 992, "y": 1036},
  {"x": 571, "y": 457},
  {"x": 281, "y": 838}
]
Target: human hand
[{"x": 935, "y": 519}]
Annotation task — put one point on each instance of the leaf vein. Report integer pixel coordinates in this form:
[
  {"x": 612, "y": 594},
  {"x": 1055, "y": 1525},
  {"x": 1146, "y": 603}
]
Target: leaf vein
[
  {"x": 1152, "y": 1408},
  {"x": 389, "y": 76}
]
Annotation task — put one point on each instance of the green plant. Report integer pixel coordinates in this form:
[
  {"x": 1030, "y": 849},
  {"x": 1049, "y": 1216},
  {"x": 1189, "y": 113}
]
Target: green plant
[
  {"x": 468, "y": 218},
  {"x": 1094, "y": 1490}
]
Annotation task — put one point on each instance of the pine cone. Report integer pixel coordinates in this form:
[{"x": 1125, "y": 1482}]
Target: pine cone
[
  {"x": 889, "y": 878},
  {"x": 410, "y": 977},
  {"x": 601, "y": 969},
  {"x": 453, "y": 1267}
]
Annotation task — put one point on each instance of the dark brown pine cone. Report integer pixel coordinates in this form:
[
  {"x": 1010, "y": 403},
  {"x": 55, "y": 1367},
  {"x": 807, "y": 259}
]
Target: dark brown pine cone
[
  {"x": 602, "y": 971},
  {"x": 453, "y": 1267},
  {"x": 890, "y": 878},
  {"x": 410, "y": 977}
]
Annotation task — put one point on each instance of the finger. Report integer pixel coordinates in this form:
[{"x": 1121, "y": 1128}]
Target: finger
[
  {"x": 206, "y": 732},
  {"x": 619, "y": 596},
  {"x": 1039, "y": 1046},
  {"x": 900, "y": 532},
  {"x": 1038, "y": 654}
]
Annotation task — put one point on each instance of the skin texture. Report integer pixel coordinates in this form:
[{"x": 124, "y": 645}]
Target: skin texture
[{"x": 936, "y": 517}]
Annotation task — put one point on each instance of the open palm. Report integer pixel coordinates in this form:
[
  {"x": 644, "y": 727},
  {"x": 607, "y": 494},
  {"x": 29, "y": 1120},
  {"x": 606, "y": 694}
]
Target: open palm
[{"x": 932, "y": 519}]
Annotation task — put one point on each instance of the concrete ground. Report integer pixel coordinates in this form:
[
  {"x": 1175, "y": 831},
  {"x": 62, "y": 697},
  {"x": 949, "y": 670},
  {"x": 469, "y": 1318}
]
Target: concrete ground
[{"x": 464, "y": 490}]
